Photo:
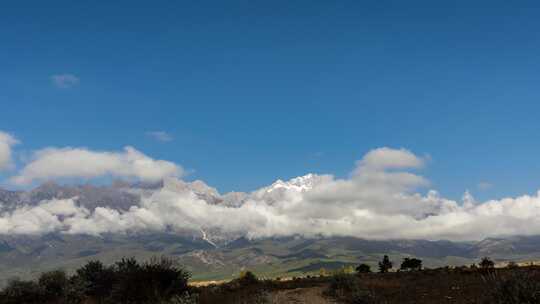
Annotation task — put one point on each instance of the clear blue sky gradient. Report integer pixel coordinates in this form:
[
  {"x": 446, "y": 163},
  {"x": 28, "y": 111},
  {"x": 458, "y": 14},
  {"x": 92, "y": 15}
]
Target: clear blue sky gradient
[{"x": 252, "y": 91}]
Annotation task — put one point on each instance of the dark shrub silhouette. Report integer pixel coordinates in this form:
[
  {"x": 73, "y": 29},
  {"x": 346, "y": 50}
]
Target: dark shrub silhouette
[
  {"x": 520, "y": 287},
  {"x": 128, "y": 286},
  {"x": 486, "y": 263},
  {"x": 512, "y": 265},
  {"x": 18, "y": 291},
  {"x": 98, "y": 279},
  {"x": 411, "y": 264},
  {"x": 160, "y": 279},
  {"x": 75, "y": 292},
  {"x": 166, "y": 278},
  {"x": 53, "y": 285},
  {"x": 385, "y": 264},
  {"x": 348, "y": 289},
  {"x": 247, "y": 278},
  {"x": 341, "y": 284},
  {"x": 363, "y": 268}
]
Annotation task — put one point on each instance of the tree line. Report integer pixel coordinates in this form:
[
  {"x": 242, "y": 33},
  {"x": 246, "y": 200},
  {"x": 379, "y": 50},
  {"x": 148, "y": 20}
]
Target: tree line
[
  {"x": 127, "y": 281},
  {"x": 414, "y": 264}
]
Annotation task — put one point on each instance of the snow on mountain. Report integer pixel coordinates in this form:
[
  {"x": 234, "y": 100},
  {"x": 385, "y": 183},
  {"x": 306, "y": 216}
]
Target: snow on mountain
[
  {"x": 122, "y": 196},
  {"x": 299, "y": 184},
  {"x": 280, "y": 190}
]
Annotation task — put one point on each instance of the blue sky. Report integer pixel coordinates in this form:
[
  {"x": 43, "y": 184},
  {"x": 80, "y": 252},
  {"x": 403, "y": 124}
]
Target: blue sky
[{"x": 251, "y": 91}]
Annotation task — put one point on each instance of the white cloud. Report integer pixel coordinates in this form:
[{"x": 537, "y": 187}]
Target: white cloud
[
  {"x": 161, "y": 136},
  {"x": 7, "y": 141},
  {"x": 54, "y": 163},
  {"x": 387, "y": 158},
  {"x": 378, "y": 201},
  {"x": 41, "y": 219},
  {"x": 65, "y": 81},
  {"x": 483, "y": 186}
]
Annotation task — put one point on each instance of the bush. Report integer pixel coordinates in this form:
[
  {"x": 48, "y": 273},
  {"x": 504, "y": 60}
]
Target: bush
[
  {"x": 517, "y": 288},
  {"x": 363, "y": 268},
  {"x": 411, "y": 264},
  {"x": 160, "y": 279},
  {"x": 487, "y": 263},
  {"x": 75, "y": 292},
  {"x": 247, "y": 278},
  {"x": 18, "y": 291},
  {"x": 343, "y": 284},
  {"x": 53, "y": 284},
  {"x": 347, "y": 288},
  {"x": 97, "y": 279},
  {"x": 186, "y": 298}
]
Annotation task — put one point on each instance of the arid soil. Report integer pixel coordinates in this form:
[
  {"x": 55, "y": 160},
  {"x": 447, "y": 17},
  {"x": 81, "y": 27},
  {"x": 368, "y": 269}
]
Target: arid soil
[
  {"x": 459, "y": 286},
  {"x": 309, "y": 295}
]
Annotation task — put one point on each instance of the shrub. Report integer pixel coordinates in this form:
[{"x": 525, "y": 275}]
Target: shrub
[
  {"x": 486, "y": 263},
  {"x": 186, "y": 298},
  {"x": 517, "y": 288},
  {"x": 160, "y": 279},
  {"x": 341, "y": 284},
  {"x": 247, "y": 278},
  {"x": 363, "y": 268},
  {"x": 347, "y": 288},
  {"x": 53, "y": 284},
  {"x": 18, "y": 291},
  {"x": 411, "y": 264},
  {"x": 166, "y": 276},
  {"x": 75, "y": 292},
  {"x": 97, "y": 279},
  {"x": 129, "y": 286}
]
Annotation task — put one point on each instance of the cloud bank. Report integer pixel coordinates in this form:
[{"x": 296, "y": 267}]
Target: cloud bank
[
  {"x": 54, "y": 163},
  {"x": 381, "y": 199},
  {"x": 7, "y": 141},
  {"x": 160, "y": 136},
  {"x": 65, "y": 81}
]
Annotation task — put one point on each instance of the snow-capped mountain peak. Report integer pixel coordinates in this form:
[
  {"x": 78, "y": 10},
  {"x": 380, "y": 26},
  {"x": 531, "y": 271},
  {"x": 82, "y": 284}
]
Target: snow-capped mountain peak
[{"x": 299, "y": 184}]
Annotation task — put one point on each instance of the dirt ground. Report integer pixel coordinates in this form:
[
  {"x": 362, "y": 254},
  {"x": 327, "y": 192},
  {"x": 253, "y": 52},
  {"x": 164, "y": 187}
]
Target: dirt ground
[
  {"x": 312, "y": 295},
  {"x": 458, "y": 286}
]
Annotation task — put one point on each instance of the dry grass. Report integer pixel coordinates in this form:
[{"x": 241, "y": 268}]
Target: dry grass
[
  {"x": 425, "y": 287},
  {"x": 312, "y": 295}
]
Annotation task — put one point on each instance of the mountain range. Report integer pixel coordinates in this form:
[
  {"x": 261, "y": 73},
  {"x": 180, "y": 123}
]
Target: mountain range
[{"x": 211, "y": 254}]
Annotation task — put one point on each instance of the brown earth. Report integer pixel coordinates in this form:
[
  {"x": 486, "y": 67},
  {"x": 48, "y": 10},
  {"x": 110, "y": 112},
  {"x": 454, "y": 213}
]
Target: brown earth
[{"x": 310, "y": 295}]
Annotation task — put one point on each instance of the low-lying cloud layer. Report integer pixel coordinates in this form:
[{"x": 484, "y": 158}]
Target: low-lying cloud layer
[
  {"x": 382, "y": 199},
  {"x": 54, "y": 163}
]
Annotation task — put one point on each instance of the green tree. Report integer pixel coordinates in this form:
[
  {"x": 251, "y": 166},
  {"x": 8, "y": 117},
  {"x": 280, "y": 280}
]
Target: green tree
[
  {"x": 53, "y": 284},
  {"x": 486, "y": 263},
  {"x": 18, "y": 291},
  {"x": 385, "y": 264},
  {"x": 363, "y": 268},
  {"x": 411, "y": 264},
  {"x": 247, "y": 278},
  {"x": 97, "y": 279}
]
